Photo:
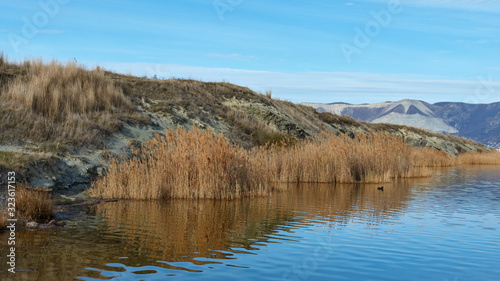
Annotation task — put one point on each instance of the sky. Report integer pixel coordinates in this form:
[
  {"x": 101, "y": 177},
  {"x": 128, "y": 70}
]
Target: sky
[{"x": 318, "y": 51}]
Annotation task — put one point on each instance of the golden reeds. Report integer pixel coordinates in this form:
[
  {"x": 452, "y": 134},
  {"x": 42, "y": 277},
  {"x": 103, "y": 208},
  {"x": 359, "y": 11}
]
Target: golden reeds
[
  {"x": 479, "y": 158},
  {"x": 196, "y": 164},
  {"x": 182, "y": 164},
  {"x": 330, "y": 158}
]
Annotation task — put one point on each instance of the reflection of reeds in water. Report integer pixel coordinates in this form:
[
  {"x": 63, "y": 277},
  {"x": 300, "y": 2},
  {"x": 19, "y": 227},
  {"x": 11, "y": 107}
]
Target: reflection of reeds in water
[
  {"x": 198, "y": 231},
  {"x": 182, "y": 230},
  {"x": 196, "y": 164}
]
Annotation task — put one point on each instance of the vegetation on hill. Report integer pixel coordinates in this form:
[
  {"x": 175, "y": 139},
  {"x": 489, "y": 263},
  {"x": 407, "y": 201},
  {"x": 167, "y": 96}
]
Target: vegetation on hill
[{"x": 60, "y": 107}]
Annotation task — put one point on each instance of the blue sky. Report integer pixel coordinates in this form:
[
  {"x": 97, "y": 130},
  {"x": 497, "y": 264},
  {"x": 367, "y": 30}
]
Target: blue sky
[{"x": 439, "y": 50}]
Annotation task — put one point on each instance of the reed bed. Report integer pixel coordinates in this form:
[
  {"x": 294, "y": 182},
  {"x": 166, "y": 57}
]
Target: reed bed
[
  {"x": 336, "y": 159},
  {"x": 182, "y": 164},
  {"x": 479, "y": 158},
  {"x": 196, "y": 164}
]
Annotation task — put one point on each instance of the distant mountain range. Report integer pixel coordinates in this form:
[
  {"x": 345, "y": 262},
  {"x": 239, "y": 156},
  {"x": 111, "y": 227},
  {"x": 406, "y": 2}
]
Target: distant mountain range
[{"x": 479, "y": 122}]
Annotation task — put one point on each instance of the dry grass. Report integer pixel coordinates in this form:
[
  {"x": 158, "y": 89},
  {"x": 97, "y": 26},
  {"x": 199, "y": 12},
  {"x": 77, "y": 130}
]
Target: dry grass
[
  {"x": 183, "y": 164},
  {"x": 479, "y": 158},
  {"x": 33, "y": 205},
  {"x": 337, "y": 159},
  {"x": 193, "y": 164},
  {"x": 3, "y": 219},
  {"x": 256, "y": 130},
  {"x": 59, "y": 91},
  {"x": 61, "y": 106}
]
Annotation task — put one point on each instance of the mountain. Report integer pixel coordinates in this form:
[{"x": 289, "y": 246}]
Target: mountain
[{"x": 479, "y": 122}]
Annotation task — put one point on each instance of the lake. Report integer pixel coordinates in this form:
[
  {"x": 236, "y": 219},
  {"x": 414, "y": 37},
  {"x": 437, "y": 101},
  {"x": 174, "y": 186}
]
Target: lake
[{"x": 446, "y": 227}]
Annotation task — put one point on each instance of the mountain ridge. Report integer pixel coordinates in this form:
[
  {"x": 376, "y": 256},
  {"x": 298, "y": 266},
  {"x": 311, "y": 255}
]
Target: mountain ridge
[{"x": 479, "y": 122}]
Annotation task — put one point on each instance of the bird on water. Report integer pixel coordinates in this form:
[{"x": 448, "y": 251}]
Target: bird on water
[{"x": 380, "y": 188}]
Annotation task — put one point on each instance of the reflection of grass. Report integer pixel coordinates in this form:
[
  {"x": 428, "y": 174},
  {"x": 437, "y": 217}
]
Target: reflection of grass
[{"x": 183, "y": 230}]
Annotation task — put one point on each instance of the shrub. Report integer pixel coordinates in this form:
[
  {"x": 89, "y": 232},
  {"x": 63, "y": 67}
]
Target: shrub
[{"x": 33, "y": 205}]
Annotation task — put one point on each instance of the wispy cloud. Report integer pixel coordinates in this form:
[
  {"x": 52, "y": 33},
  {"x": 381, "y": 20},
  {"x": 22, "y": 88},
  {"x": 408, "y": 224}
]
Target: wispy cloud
[
  {"x": 231, "y": 56},
  {"x": 324, "y": 87},
  {"x": 49, "y": 31},
  {"x": 478, "y": 5}
]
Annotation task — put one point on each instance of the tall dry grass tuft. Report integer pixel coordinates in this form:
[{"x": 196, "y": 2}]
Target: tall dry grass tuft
[
  {"x": 182, "y": 164},
  {"x": 61, "y": 105},
  {"x": 3, "y": 219},
  {"x": 479, "y": 158},
  {"x": 60, "y": 91},
  {"x": 33, "y": 205}
]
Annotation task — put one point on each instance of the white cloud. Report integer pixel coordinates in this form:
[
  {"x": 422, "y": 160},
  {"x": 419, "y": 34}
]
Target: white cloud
[
  {"x": 51, "y": 31},
  {"x": 328, "y": 87}
]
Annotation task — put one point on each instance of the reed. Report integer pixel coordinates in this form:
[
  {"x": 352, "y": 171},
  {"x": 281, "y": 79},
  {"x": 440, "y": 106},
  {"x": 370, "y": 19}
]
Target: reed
[
  {"x": 33, "y": 205},
  {"x": 196, "y": 164},
  {"x": 337, "y": 159},
  {"x": 479, "y": 158},
  {"x": 182, "y": 164}
]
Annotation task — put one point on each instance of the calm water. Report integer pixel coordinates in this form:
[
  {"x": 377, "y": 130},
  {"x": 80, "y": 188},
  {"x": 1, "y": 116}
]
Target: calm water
[{"x": 441, "y": 228}]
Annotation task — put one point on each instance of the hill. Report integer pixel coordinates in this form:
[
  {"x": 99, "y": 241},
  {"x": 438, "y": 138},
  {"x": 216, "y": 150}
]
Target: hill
[{"x": 59, "y": 123}]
